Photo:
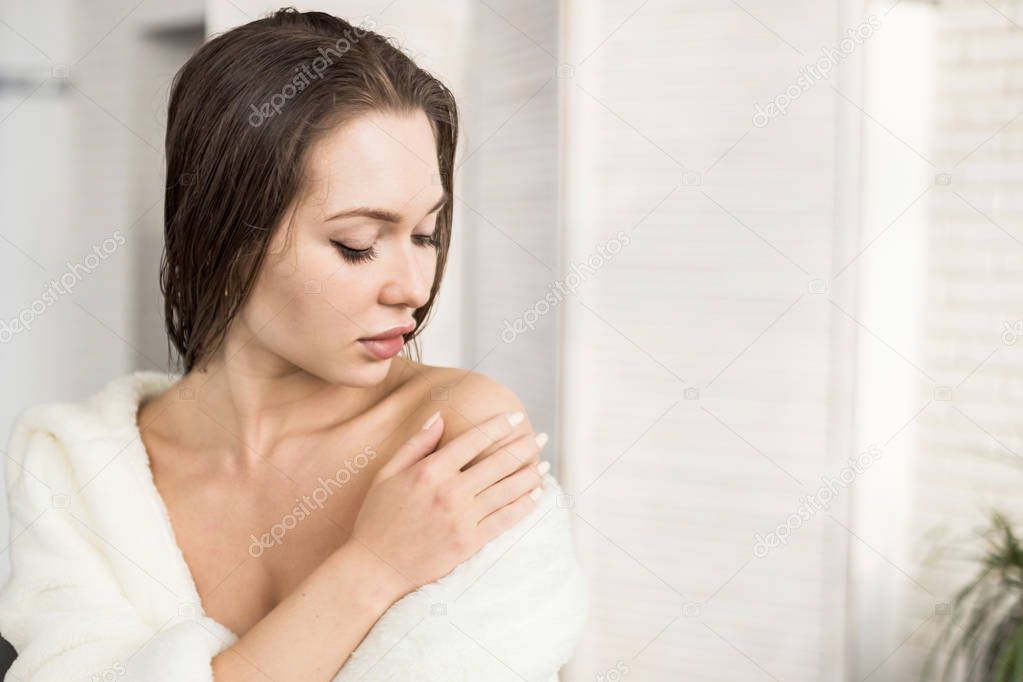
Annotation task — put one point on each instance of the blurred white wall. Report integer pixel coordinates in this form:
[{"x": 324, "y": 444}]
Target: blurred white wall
[
  {"x": 36, "y": 191},
  {"x": 889, "y": 266},
  {"x": 81, "y": 175}
]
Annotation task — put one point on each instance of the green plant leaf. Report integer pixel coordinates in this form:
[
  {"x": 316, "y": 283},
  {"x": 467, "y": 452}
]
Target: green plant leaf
[{"x": 984, "y": 631}]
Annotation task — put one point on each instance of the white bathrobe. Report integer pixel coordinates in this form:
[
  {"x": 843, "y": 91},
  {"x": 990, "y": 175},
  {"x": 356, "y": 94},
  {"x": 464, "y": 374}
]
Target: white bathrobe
[{"x": 100, "y": 590}]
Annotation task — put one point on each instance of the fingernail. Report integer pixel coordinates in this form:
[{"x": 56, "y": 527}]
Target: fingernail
[
  {"x": 516, "y": 417},
  {"x": 541, "y": 439},
  {"x": 543, "y": 467},
  {"x": 431, "y": 420},
  {"x": 535, "y": 493}
]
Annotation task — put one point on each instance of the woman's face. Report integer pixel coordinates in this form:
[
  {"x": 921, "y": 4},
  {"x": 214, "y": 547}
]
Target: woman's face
[{"x": 361, "y": 257}]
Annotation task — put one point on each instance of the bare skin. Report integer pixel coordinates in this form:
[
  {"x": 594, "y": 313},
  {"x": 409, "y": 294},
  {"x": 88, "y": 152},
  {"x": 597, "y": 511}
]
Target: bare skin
[
  {"x": 216, "y": 511},
  {"x": 293, "y": 398}
]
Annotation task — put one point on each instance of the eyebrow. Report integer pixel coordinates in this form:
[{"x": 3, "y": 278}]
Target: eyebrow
[{"x": 383, "y": 214}]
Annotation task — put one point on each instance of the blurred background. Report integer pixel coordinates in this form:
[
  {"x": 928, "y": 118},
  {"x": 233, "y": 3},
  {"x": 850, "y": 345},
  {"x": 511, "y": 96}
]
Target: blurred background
[{"x": 755, "y": 265}]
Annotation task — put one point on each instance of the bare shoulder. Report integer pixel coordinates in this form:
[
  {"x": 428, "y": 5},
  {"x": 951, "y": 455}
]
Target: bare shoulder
[{"x": 465, "y": 398}]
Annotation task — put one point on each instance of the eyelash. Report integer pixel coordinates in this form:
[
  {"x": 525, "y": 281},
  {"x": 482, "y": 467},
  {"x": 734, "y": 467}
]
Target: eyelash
[{"x": 365, "y": 255}]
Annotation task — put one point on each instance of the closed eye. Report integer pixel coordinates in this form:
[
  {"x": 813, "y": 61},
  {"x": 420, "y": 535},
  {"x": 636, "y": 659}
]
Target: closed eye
[
  {"x": 431, "y": 240},
  {"x": 354, "y": 255},
  {"x": 365, "y": 255}
]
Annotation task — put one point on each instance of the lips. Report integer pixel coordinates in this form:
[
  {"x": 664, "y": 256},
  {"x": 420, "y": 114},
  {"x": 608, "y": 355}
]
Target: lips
[
  {"x": 391, "y": 333},
  {"x": 389, "y": 343},
  {"x": 385, "y": 348}
]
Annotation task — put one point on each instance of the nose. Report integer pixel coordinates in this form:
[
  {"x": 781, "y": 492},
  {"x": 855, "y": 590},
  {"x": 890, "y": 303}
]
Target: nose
[{"x": 409, "y": 278}]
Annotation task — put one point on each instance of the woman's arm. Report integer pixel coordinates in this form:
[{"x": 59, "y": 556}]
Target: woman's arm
[
  {"x": 421, "y": 518},
  {"x": 312, "y": 632},
  {"x": 513, "y": 611}
]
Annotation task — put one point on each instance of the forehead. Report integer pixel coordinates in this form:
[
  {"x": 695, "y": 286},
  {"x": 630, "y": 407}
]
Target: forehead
[{"x": 385, "y": 160}]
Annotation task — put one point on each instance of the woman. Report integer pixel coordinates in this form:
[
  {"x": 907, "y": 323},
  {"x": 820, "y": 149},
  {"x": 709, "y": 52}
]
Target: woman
[{"x": 300, "y": 503}]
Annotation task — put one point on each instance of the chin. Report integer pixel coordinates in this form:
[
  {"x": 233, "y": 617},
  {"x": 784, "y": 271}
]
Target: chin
[{"x": 366, "y": 371}]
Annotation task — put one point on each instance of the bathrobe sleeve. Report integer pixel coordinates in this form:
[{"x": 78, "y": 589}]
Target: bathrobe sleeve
[
  {"x": 62, "y": 608},
  {"x": 515, "y": 611}
]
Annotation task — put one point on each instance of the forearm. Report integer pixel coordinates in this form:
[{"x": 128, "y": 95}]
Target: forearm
[{"x": 311, "y": 633}]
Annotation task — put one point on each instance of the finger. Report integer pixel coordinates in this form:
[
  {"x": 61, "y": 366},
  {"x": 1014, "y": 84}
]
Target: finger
[
  {"x": 504, "y": 518},
  {"x": 452, "y": 456},
  {"x": 517, "y": 432},
  {"x": 506, "y": 461},
  {"x": 507, "y": 490},
  {"x": 421, "y": 444}
]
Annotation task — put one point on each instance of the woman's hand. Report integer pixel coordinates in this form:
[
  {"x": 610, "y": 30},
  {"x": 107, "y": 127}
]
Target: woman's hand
[{"x": 423, "y": 515}]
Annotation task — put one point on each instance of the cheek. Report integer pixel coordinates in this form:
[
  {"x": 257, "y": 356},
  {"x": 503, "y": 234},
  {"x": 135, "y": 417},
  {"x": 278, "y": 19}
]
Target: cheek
[
  {"x": 427, "y": 266},
  {"x": 343, "y": 304},
  {"x": 312, "y": 301}
]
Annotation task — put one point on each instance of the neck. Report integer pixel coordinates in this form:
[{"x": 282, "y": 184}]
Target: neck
[{"x": 245, "y": 414}]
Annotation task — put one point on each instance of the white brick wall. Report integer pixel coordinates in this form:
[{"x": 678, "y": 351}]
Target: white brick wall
[
  {"x": 970, "y": 449},
  {"x": 712, "y": 294},
  {"x": 963, "y": 455}
]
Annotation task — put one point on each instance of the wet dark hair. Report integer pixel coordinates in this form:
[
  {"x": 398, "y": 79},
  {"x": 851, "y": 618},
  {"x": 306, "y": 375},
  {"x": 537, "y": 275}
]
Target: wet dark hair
[{"x": 244, "y": 111}]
